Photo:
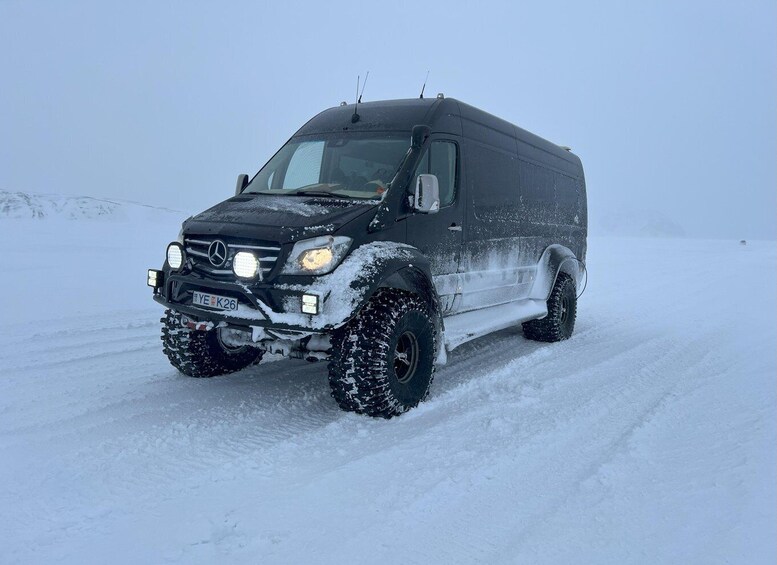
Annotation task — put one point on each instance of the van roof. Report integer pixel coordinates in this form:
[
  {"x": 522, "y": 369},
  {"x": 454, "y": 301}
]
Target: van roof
[{"x": 442, "y": 115}]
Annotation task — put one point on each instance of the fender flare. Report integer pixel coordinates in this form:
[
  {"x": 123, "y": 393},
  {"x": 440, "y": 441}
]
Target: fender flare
[
  {"x": 409, "y": 274},
  {"x": 416, "y": 280},
  {"x": 412, "y": 276},
  {"x": 554, "y": 260}
]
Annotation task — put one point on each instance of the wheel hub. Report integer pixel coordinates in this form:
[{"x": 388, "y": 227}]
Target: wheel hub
[
  {"x": 406, "y": 354},
  {"x": 564, "y": 309}
]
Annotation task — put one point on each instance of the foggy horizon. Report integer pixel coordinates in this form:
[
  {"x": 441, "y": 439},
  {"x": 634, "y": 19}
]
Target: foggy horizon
[{"x": 670, "y": 107}]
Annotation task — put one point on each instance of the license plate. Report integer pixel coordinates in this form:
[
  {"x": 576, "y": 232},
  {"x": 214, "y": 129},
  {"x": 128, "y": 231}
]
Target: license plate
[{"x": 214, "y": 301}]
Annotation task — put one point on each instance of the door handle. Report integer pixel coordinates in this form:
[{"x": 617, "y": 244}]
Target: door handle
[{"x": 454, "y": 227}]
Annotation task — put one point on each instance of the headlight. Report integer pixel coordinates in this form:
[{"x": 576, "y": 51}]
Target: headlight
[
  {"x": 245, "y": 265},
  {"x": 175, "y": 255},
  {"x": 317, "y": 256}
]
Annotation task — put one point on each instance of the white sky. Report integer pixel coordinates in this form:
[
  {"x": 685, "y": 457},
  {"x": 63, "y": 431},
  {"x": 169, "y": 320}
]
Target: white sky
[{"x": 671, "y": 105}]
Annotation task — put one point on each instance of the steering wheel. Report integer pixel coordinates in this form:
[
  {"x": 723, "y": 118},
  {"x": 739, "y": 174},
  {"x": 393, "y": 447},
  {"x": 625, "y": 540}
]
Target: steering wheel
[
  {"x": 383, "y": 174},
  {"x": 356, "y": 182}
]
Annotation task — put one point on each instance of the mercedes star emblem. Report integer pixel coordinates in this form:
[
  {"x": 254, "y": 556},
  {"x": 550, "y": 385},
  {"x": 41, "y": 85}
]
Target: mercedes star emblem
[{"x": 217, "y": 253}]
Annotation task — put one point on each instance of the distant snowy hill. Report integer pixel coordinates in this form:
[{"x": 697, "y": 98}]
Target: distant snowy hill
[
  {"x": 24, "y": 206},
  {"x": 640, "y": 223}
]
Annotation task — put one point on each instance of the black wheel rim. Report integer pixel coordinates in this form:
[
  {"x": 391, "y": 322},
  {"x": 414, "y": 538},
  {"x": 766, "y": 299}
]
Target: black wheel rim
[
  {"x": 406, "y": 354},
  {"x": 564, "y": 310}
]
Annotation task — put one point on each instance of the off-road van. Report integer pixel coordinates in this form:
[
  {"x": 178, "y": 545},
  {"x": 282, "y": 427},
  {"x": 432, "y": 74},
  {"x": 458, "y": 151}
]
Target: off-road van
[{"x": 380, "y": 237}]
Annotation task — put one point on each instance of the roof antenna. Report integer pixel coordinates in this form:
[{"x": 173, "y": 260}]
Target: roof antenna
[
  {"x": 363, "y": 87},
  {"x": 355, "y": 117},
  {"x": 424, "y": 86}
]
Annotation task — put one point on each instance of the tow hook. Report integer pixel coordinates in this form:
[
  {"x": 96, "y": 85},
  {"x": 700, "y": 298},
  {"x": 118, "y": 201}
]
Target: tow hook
[{"x": 195, "y": 325}]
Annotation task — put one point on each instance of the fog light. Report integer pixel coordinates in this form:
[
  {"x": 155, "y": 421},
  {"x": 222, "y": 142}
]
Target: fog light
[
  {"x": 309, "y": 304},
  {"x": 175, "y": 255},
  {"x": 154, "y": 279},
  {"x": 245, "y": 265}
]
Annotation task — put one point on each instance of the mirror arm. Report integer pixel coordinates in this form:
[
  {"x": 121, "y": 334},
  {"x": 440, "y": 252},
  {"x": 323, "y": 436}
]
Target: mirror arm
[{"x": 420, "y": 134}]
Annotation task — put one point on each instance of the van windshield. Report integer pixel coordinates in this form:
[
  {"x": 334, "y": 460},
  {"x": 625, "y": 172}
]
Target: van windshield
[{"x": 342, "y": 165}]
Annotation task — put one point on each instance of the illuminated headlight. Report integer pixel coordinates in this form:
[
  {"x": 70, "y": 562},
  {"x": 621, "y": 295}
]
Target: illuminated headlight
[
  {"x": 317, "y": 256},
  {"x": 175, "y": 255},
  {"x": 245, "y": 265}
]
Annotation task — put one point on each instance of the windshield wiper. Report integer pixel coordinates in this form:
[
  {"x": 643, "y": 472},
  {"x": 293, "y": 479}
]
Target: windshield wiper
[{"x": 319, "y": 193}]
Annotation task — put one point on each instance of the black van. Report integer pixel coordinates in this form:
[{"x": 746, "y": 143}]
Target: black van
[{"x": 380, "y": 237}]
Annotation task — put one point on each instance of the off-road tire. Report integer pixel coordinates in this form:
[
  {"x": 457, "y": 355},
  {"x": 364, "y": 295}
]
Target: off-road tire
[
  {"x": 372, "y": 356},
  {"x": 562, "y": 311},
  {"x": 198, "y": 353}
]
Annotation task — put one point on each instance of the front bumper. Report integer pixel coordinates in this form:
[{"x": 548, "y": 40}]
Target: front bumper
[
  {"x": 278, "y": 304},
  {"x": 242, "y": 319},
  {"x": 259, "y": 306}
]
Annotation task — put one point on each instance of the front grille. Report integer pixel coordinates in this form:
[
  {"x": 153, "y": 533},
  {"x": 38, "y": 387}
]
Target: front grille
[{"x": 197, "y": 252}]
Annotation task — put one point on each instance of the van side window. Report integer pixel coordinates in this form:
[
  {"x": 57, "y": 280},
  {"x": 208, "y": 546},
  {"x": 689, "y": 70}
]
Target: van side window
[
  {"x": 493, "y": 192},
  {"x": 440, "y": 160},
  {"x": 537, "y": 193},
  {"x": 566, "y": 200}
]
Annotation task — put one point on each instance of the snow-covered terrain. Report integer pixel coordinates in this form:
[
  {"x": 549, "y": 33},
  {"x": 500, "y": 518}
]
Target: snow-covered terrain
[{"x": 649, "y": 437}]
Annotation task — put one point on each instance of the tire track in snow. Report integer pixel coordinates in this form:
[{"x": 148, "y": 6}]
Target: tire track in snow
[
  {"x": 251, "y": 442},
  {"x": 81, "y": 325},
  {"x": 97, "y": 351},
  {"x": 708, "y": 365},
  {"x": 538, "y": 458},
  {"x": 432, "y": 489},
  {"x": 136, "y": 429}
]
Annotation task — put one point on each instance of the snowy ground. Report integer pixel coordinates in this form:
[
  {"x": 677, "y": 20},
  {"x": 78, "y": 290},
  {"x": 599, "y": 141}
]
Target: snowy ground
[{"x": 647, "y": 438}]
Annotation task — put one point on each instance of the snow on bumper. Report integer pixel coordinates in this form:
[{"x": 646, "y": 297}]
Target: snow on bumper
[{"x": 340, "y": 294}]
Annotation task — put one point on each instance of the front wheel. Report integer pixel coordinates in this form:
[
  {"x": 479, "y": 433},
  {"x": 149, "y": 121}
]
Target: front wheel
[
  {"x": 382, "y": 361},
  {"x": 202, "y": 353}
]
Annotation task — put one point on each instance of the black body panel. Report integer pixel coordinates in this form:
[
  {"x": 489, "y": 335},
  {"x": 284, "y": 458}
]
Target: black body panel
[{"x": 517, "y": 196}]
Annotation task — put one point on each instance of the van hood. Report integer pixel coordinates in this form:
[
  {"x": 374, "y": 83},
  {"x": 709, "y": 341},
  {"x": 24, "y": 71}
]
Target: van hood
[{"x": 277, "y": 218}]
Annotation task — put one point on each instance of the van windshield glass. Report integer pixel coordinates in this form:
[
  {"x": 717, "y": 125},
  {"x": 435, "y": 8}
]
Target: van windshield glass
[{"x": 347, "y": 165}]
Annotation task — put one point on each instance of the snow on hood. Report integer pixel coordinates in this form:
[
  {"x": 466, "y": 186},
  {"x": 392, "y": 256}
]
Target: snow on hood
[{"x": 296, "y": 214}]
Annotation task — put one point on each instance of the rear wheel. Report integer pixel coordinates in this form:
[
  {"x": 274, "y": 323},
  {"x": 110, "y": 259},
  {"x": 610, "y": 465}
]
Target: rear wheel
[
  {"x": 202, "y": 353},
  {"x": 382, "y": 361},
  {"x": 562, "y": 312}
]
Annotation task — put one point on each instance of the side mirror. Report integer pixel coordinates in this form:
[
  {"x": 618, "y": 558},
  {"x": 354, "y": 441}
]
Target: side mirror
[
  {"x": 427, "y": 195},
  {"x": 242, "y": 183}
]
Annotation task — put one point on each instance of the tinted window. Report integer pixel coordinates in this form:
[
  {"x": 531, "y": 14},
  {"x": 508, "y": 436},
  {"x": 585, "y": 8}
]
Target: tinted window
[
  {"x": 493, "y": 188},
  {"x": 493, "y": 178},
  {"x": 566, "y": 199},
  {"x": 443, "y": 165},
  {"x": 537, "y": 193},
  {"x": 440, "y": 160}
]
